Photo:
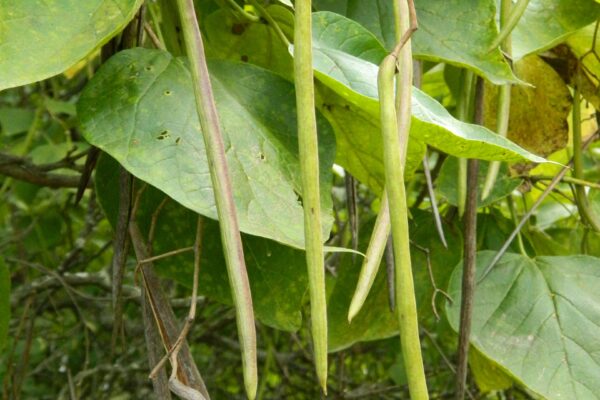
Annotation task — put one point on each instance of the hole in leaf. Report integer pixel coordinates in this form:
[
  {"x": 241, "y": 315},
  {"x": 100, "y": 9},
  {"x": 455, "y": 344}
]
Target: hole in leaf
[
  {"x": 168, "y": 92},
  {"x": 148, "y": 68},
  {"x": 163, "y": 135},
  {"x": 178, "y": 140},
  {"x": 298, "y": 197},
  {"x": 262, "y": 156}
]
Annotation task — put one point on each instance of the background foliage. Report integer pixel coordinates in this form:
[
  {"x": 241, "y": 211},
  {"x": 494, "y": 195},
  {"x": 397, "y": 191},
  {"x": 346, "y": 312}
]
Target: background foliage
[{"x": 535, "y": 327}]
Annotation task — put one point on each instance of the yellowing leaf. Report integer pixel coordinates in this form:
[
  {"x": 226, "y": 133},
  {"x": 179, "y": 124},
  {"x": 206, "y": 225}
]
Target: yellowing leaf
[{"x": 538, "y": 113}]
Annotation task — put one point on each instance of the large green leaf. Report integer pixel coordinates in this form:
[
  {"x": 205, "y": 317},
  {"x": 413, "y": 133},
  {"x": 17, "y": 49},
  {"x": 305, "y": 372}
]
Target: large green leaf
[
  {"x": 43, "y": 38},
  {"x": 4, "y": 302},
  {"x": 538, "y": 319},
  {"x": 376, "y": 321},
  {"x": 277, "y": 273},
  {"x": 347, "y": 68},
  {"x": 140, "y": 109},
  {"x": 359, "y": 144},
  {"x": 547, "y": 23},
  {"x": 254, "y": 42},
  {"x": 458, "y": 32}
]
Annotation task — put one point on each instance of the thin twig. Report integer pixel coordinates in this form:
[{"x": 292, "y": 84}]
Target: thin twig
[
  {"x": 529, "y": 213},
  {"x": 153, "y": 38},
  {"x": 121, "y": 247},
  {"x": 173, "y": 351},
  {"x": 166, "y": 325},
  {"x": 436, "y": 289}
]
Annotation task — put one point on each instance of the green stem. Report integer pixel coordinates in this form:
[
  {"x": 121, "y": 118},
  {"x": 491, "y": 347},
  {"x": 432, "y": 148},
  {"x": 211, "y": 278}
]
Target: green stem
[
  {"x": 169, "y": 27},
  {"x": 230, "y": 232},
  {"x": 309, "y": 168},
  {"x": 511, "y": 22},
  {"x": 586, "y": 212},
  {"x": 406, "y": 307},
  {"x": 503, "y": 110},
  {"x": 566, "y": 179},
  {"x": 513, "y": 214},
  {"x": 241, "y": 12}
]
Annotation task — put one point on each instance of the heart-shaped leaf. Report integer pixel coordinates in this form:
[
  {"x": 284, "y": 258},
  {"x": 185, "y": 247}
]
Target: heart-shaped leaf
[
  {"x": 140, "y": 109},
  {"x": 457, "y": 32},
  {"x": 43, "y": 38},
  {"x": 277, "y": 273},
  {"x": 546, "y": 23},
  {"x": 538, "y": 319},
  {"x": 340, "y": 66}
]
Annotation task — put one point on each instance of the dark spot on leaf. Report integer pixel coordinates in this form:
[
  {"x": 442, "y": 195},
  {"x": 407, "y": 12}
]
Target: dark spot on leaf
[
  {"x": 328, "y": 107},
  {"x": 177, "y": 28},
  {"x": 148, "y": 68},
  {"x": 238, "y": 29},
  {"x": 168, "y": 92},
  {"x": 262, "y": 156},
  {"x": 244, "y": 58},
  {"x": 178, "y": 140},
  {"x": 263, "y": 21}
]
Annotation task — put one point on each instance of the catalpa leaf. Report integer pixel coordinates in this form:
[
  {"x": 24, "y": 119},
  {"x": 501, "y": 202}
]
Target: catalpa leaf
[
  {"x": 44, "y": 38},
  {"x": 538, "y": 319},
  {"x": 140, "y": 109},
  {"x": 458, "y": 32},
  {"x": 272, "y": 268},
  {"x": 348, "y": 68},
  {"x": 546, "y": 23}
]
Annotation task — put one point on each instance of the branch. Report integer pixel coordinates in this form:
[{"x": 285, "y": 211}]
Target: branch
[
  {"x": 23, "y": 169},
  {"x": 166, "y": 323},
  {"x": 469, "y": 263}
]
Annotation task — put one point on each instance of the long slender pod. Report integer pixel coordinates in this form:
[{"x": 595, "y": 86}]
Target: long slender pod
[
  {"x": 368, "y": 271},
  {"x": 309, "y": 168},
  {"x": 405, "y": 296},
  {"x": 219, "y": 173},
  {"x": 503, "y": 111},
  {"x": 406, "y": 306},
  {"x": 405, "y": 20}
]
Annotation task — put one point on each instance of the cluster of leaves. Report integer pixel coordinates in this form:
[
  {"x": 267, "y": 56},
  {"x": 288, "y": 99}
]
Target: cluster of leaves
[{"x": 536, "y": 313}]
